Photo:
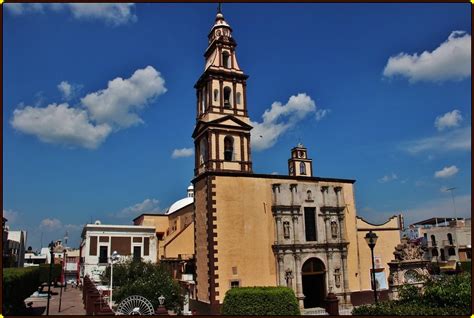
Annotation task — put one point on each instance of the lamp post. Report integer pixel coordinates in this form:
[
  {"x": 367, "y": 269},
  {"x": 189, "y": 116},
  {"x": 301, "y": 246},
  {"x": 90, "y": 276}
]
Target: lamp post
[
  {"x": 51, "y": 250},
  {"x": 371, "y": 239},
  {"x": 63, "y": 280},
  {"x": 113, "y": 258}
]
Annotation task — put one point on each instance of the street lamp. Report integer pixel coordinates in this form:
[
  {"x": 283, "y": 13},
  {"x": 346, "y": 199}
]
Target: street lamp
[
  {"x": 51, "y": 250},
  {"x": 115, "y": 256},
  {"x": 371, "y": 239},
  {"x": 63, "y": 280}
]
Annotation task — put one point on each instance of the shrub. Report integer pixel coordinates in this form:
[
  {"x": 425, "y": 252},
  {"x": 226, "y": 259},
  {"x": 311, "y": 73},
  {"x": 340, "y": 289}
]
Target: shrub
[
  {"x": 44, "y": 273},
  {"x": 260, "y": 301},
  {"x": 443, "y": 295},
  {"x": 147, "y": 280},
  {"x": 18, "y": 284}
]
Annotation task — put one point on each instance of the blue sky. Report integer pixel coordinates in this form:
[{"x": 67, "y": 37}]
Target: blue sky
[{"x": 98, "y": 98}]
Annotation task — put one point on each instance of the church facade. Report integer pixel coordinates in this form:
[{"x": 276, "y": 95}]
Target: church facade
[{"x": 296, "y": 230}]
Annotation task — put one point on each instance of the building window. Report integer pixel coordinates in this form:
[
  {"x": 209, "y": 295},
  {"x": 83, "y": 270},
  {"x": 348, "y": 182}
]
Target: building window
[
  {"x": 103, "y": 254},
  {"x": 451, "y": 251},
  {"x": 227, "y": 92},
  {"x": 468, "y": 254},
  {"x": 202, "y": 151},
  {"x": 203, "y": 100},
  {"x": 137, "y": 253},
  {"x": 302, "y": 168},
  {"x": 450, "y": 239},
  {"x": 226, "y": 59},
  {"x": 234, "y": 284},
  {"x": 309, "y": 195},
  {"x": 228, "y": 148},
  {"x": 238, "y": 98},
  {"x": 443, "y": 257},
  {"x": 310, "y": 223},
  {"x": 216, "y": 94},
  {"x": 433, "y": 240}
]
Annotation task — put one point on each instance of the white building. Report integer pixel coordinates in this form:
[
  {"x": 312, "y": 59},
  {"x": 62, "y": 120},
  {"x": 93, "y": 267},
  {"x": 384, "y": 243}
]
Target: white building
[
  {"x": 16, "y": 247},
  {"x": 99, "y": 241}
]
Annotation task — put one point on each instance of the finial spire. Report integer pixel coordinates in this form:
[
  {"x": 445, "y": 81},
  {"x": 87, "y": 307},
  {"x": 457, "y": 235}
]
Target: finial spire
[{"x": 219, "y": 8}]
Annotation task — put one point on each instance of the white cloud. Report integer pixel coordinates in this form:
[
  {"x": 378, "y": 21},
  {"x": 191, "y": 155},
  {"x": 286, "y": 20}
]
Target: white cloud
[
  {"x": 455, "y": 140},
  {"x": 147, "y": 206},
  {"x": 118, "y": 103},
  {"x": 450, "y": 61},
  {"x": 388, "y": 178},
  {"x": 113, "y": 14},
  {"x": 446, "y": 172},
  {"x": 448, "y": 120},
  {"x": 68, "y": 90},
  {"x": 100, "y": 113},
  {"x": 10, "y": 215},
  {"x": 51, "y": 224},
  {"x": 183, "y": 152},
  {"x": 321, "y": 113},
  {"x": 279, "y": 118},
  {"x": 60, "y": 124}
]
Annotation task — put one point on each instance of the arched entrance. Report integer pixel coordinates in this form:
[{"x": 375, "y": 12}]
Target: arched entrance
[{"x": 314, "y": 283}]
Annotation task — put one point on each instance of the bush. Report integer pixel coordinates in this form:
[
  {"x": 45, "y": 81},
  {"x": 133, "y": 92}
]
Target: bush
[
  {"x": 466, "y": 266},
  {"x": 44, "y": 273},
  {"x": 18, "y": 284},
  {"x": 444, "y": 295},
  {"x": 147, "y": 280},
  {"x": 260, "y": 301}
]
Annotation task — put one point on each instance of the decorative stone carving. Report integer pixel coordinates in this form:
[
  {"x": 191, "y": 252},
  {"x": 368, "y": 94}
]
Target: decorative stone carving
[
  {"x": 333, "y": 229},
  {"x": 408, "y": 267},
  {"x": 286, "y": 229},
  {"x": 337, "y": 277},
  {"x": 289, "y": 277}
]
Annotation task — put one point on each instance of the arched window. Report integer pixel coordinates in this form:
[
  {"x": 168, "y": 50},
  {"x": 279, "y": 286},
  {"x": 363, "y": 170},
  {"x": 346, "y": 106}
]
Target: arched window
[
  {"x": 216, "y": 94},
  {"x": 226, "y": 59},
  {"x": 450, "y": 238},
  {"x": 433, "y": 240},
  {"x": 309, "y": 195},
  {"x": 237, "y": 98},
  {"x": 228, "y": 148},
  {"x": 203, "y": 100},
  {"x": 202, "y": 151},
  {"x": 227, "y": 92},
  {"x": 302, "y": 168},
  {"x": 451, "y": 251}
]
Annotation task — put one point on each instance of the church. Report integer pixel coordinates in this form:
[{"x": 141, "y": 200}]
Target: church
[{"x": 298, "y": 230}]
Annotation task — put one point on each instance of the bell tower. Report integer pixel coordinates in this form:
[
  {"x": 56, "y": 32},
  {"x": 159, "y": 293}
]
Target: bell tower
[
  {"x": 299, "y": 165},
  {"x": 222, "y": 133}
]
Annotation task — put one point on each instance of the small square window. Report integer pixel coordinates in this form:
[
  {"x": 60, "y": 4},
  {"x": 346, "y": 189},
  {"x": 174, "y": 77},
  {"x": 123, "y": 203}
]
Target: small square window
[{"x": 234, "y": 284}]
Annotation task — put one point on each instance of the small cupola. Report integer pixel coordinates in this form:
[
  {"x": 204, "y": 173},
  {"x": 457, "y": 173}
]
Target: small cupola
[{"x": 299, "y": 164}]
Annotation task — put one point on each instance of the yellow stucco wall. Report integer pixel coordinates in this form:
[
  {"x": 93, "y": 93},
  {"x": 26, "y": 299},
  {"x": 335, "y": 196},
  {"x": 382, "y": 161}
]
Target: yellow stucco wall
[
  {"x": 244, "y": 208},
  {"x": 384, "y": 248},
  {"x": 181, "y": 244}
]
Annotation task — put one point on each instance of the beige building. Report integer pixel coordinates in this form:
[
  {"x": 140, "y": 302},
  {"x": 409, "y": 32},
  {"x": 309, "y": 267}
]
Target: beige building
[{"x": 296, "y": 230}]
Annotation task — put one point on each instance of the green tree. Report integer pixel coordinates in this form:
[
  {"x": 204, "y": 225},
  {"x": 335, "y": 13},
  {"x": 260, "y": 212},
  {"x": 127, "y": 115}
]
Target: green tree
[
  {"x": 147, "y": 280},
  {"x": 442, "y": 295}
]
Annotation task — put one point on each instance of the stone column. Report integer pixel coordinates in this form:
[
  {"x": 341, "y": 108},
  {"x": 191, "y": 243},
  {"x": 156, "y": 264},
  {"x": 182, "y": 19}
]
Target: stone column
[
  {"x": 345, "y": 277},
  {"x": 294, "y": 219},
  {"x": 299, "y": 284},
  {"x": 329, "y": 272},
  {"x": 277, "y": 229},
  {"x": 281, "y": 271}
]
